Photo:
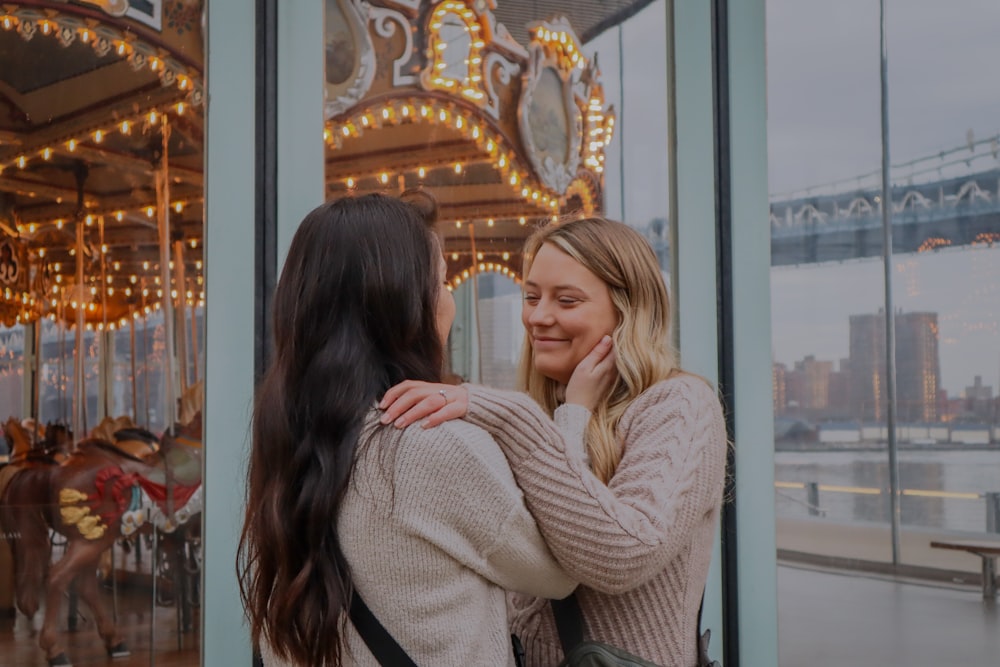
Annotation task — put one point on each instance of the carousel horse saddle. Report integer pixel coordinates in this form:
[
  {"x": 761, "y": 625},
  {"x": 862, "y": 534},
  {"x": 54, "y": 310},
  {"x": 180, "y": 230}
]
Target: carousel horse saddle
[{"x": 178, "y": 462}]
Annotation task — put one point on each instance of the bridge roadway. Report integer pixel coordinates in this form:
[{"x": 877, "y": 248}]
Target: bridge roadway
[{"x": 848, "y": 225}]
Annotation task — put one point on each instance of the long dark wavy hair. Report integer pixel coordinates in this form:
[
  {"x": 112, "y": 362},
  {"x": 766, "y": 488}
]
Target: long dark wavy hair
[{"x": 354, "y": 313}]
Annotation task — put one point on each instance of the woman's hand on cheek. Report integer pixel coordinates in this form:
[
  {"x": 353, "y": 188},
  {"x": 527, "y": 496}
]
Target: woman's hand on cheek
[
  {"x": 411, "y": 400},
  {"x": 594, "y": 376}
]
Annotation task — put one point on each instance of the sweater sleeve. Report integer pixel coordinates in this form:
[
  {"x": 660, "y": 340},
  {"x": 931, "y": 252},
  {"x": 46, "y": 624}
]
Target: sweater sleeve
[
  {"x": 614, "y": 538},
  {"x": 461, "y": 497}
]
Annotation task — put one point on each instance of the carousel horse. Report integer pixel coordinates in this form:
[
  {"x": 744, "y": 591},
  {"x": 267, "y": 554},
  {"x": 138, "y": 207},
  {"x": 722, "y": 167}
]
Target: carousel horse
[{"x": 106, "y": 489}]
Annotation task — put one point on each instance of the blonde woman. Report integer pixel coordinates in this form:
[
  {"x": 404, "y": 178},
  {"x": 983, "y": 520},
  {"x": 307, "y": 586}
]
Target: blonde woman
[{"x": 620, "y": 453}]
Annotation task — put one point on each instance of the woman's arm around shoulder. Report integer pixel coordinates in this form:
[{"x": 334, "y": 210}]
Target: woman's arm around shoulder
[{"x": 615, "y": 537}]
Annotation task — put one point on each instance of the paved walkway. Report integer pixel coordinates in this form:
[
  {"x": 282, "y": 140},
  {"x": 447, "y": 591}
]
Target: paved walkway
[{"x": 832, "y": 619}]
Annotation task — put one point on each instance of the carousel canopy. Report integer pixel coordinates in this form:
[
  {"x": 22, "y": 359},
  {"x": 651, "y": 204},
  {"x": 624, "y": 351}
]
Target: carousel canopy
[
  {"x": 504, "y": 132},
  {"x": 96, "y": 98}
]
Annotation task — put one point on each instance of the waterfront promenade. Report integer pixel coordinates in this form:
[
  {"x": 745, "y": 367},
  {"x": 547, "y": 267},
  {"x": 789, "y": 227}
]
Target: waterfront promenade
[
  {"x": 848, "y": 619},
  {"x": 833, "y": 614}
]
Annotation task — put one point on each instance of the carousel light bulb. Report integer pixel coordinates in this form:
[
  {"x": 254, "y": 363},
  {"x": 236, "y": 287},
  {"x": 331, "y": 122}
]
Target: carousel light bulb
[
  {"x": 171, "y": 264},
  {"x": 133, "y": 279},
  {"x": 109, "y": 279},
  {"x": 384, "y": 178},
  {"x": 31, "y": 228},
  {"x": 190, "y": 294},
  {"x": 125, "y": 127},
  {"x": 521, "y": 221},
  {"x": 98, "y": 136},
  {"x": 454, "y": 256},
  {"x": 173, "y": 294},
  {"x": 145, "y": 292},
  {"x": 156, "y": 280},
  {"x": 200, "y": 280},
  {"x": 182, "y": 82},
  {"x": 458, "y": 167},
  {"x": 89, "y": 220},
  {"x": 180, "y": 108},
  {"x": 178, "y": 206},
  {"x": 364, "y": 121},
  {"x": 41, "y": 252},
  {"x": 128, "y": 291},
  {"x": 350, "y": 183},
  {"x": 117, "y": 265},
  {"x": 57, "y": 266},
  {"x": 72, "y": 252},
  {"x": 159, "y": 293},
  {"x": 54, "y": 303},
  {"x": 513, "y": 179},
  {"x": 506, "y": 256},
  {"x": 59, "y": 224},
  {"x": 154, "y": 64},
  {"x": 489, "y": 222},
  {"x": 194, "y": 243},
  {"x": 479, "y": 255},
  {"x": 145, "y": 266},
  {"x": 7, "y": 25},
  {"x": 55, "y": 288},
  {"x": 153, "y": 117},
  {"x": 111, "y": 291},
  {"x": 346, "y": 130},
  {"x": 421, "y": 172},
  {"x": 22, "y": 162},
  {"x": 104, "y": 248},
  {"x": 119, "y": 216},
  {"x": 149, "y": 211},
  {"x": 458, "y": 224},
  {"x": 197, "y": 265},
  {"x": 385, "y": 114},
  {"x": 92, "y": 307},
  {"x": 502, "y": 162},
  {"x": 85, "y": 36},
  {"x": 147, "y": 309},
  {"x": 93, "y": 291},
  {"x": 47, "y": 154}
]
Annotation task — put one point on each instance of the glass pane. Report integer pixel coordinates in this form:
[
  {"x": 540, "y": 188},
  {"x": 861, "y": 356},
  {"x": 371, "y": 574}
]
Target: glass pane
[
  {"x": 501, "y": 112},
  {"x": 101, "y": 275},
  {"x": 829, "y": 328},
  {"x": 947, "y": 289}
]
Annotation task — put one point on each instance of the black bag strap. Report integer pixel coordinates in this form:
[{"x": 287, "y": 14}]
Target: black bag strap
[
  {"x": 569, "y": 622},
  {"x": 378, "y": 640}
]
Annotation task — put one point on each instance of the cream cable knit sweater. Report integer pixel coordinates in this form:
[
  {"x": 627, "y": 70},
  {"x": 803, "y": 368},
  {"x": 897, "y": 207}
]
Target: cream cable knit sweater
[
  {"x": 641, "y": 545},
  {"x": 435, "y": 529}
]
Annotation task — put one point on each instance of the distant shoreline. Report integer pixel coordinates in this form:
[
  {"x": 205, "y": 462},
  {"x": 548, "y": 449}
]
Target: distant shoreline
[{"x": 881, "y": 447}]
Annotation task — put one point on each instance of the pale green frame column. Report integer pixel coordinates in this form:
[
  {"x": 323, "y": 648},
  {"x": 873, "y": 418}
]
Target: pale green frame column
[
  {"x": 301, "y": 149},
  {"x": 696, "y": 288},
  {"x": 691, "y": 133},
  {"x": 751, "y": 294},
  {"x": 229, "y": 320}
]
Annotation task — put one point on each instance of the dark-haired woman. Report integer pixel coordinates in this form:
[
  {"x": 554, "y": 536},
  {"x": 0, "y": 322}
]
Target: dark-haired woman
[{"x": 428, "y": 527}]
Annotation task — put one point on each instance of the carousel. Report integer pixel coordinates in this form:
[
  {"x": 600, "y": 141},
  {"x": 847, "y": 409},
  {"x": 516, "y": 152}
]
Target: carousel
[
  {"x": 440, "y": 96},
  {"x": 101, "y": 268}
]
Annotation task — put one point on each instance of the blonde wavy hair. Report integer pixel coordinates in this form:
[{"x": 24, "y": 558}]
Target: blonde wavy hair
[{"x": 644, "y": 353}]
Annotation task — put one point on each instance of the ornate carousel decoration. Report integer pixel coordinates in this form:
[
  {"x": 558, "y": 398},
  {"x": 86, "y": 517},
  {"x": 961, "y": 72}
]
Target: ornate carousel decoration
[{"x": 439, "y": 95}]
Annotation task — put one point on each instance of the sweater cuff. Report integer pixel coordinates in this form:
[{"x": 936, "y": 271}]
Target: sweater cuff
[{"x": 572, "y": 421}]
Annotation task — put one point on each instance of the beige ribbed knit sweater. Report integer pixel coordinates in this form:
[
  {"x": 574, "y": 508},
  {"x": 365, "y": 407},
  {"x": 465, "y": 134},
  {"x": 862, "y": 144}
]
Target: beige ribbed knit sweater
[
  {"x": 641, "y": 545},
  {"x": 435, "y": 529}
]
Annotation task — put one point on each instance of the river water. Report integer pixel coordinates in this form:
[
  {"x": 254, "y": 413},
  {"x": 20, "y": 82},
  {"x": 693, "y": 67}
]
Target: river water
[{"x": 953, "y": 471}]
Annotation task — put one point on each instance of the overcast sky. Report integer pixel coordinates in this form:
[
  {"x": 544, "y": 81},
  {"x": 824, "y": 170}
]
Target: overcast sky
[{"x": 824, "y": 126}]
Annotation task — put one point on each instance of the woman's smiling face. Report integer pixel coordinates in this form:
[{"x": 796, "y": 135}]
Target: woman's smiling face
[{"x": 566, "y": 311}]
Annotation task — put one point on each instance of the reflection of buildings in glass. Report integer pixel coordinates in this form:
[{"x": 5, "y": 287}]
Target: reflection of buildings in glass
[
  {"x": 978, "y": 404},
  {"x": 501, "y": 330},
  {"x": 918, "y": 374},
  {"x": 808, "y": 384},
  {"x": 779, "y": 387}
]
